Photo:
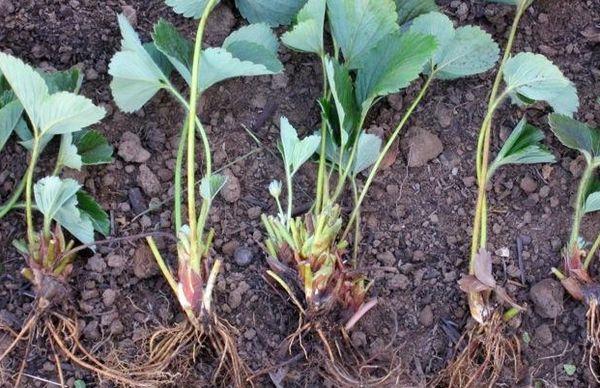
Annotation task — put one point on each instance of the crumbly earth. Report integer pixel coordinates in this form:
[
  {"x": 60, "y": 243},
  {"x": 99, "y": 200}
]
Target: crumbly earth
[{"x": 416, "y": 221}]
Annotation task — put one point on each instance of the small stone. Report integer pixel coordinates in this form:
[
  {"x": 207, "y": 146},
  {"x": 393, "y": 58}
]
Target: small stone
[
  {"x": 148, "y": 181},
  {"x": 547, "y": 297},
  {"x": 232, "y": 190},
  {"x": 250, "y": 334},
  {"x": 544, "y": 191},
  {"x": 108, "y": 297},
  {"x": 503, "y": 252},
  {"x": 543, "y": 335},
  {"x": 254, "y": 212},
  {"x": 91, "y": 74},
  {"x": 131, "y": 150},
  {"x": 96, "y": 264},
  {"x": 6, "y": 7},
  {"x": 230, "y": 247},
  {"x": 136, "y": 200},
  {"x": 387, "y": 258},
  {"x": 116, "y": 261},
  {"x": 359, "y": 339},
  {"x": 444, "y": 117},
  {"x": 399, "y": 282},
  {"x": 528, "y": 184},
  {"x": 243, "y": 256},
  {"x": 116, "y": 327},
  {"x": 426, "y": 316},
  {"x": 144, "y": 265},
  {"x": 90, "y": 331},
  {"x": 130, "y": 14},
  {"x": 422, "y": 147}
]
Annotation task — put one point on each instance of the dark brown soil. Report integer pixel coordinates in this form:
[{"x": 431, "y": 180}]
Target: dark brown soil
[{"x": 416, "y": 222}]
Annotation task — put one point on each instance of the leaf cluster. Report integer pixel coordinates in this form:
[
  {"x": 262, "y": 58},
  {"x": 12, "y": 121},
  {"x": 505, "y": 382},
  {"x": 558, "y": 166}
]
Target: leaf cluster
[{"x": 39, "y": 106}]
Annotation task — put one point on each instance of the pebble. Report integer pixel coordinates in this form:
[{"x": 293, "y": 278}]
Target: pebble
[
  {"x": 116, "y": 261},
  {"x": 148, "y": 181},
  {"x": 426, "y": 316},
  {"x": 543, "y": 335},
  {"x": 232, "y": 190},
  {"x": 528, "y": 184},
  {"x": 399, "y": 282},
  {"x": 387, "y": 258},
  {"x": 243, "y": 256},
  {"x": 108, "y": 297},
  {"x": 96, "y": 264}
]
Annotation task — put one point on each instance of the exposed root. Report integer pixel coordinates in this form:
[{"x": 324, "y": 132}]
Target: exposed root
[
  {"x": 346, "y": 367},
  {"x": 481, "y": 361},
  {"x": 169, "y": 345},
  {"x": 592, "y": 353},
  {"x": 62, "y": 334}
]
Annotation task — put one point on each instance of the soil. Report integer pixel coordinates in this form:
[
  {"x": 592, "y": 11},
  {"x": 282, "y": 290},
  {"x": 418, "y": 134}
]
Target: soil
[{"x": 416, "y": 221}]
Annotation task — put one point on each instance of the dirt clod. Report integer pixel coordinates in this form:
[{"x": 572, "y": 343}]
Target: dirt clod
[
  {"x": 131, "y": 150},
  {"x": 148, "y": 181},
  {"x": 422, "y": 147},
  {"x": 144, "y": 265},
  {"x": 547, "y": 297}
]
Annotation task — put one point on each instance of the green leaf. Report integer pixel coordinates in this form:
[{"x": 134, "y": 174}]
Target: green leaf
[
  {"x": 56, "y": 199},
  {"x": 358, "y": 26},
  {"x": 258, "y": 33},
  {"x": 79, "y": 384},
  {"x": 58, "y": 113},
  {"x": 67, "y": 112},
  {"x": 92, "y": 209},
  {"x": 570, "y": 369},
  {"x": 522, "y": 147},
  {"x": 188, "y": 8},
  {"x": 10, "y": 115},
  {"x": 52, "y": 193},
  {"x": 27, "y": 84},
  {"x": 67, "y": 154},
  {"x": 342, "y": 91},
  {"x": 369, "y": 147},
  {"x": 592, "y": 204},
  {"x": 296, "y": 152},
  {"x": 536, "y": 78},
  {"x": 93, "y": 147},
  {"x": 410, "y": 9},
  {"x": 219, "y": 64},
  {"x": 307, "y": 34},
  {"x": 136, "y": 76},
  {"x": 576, "y": 135},
  {"x": 392, "y": 65},
  {"x": 210, "y": 187},
  {"x": 179, "y": 51},
  {"x": 272, "y": 12},
  {"x": 63, "y": 81},
  {"x": 461, "y": 52}
]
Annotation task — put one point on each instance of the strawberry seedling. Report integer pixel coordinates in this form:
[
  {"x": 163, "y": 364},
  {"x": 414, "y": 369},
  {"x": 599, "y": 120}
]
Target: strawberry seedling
[
  {"x": 139, "y": 71},
  {"x": 528, "y": 78},
  {"x": 379, "y": 48},
  {"x": 578, "y": 254},
  {"x": 39, "y": 106}
]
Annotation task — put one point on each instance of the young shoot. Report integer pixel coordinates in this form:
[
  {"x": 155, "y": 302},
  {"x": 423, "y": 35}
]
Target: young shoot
[
  {"x": 139, "y": 71},
  {"x": 40, "y": 106},
  {"x": 379, "y": 48},
  {"x": 524, "y": 79},
  {"x": 579, "y": 253}
]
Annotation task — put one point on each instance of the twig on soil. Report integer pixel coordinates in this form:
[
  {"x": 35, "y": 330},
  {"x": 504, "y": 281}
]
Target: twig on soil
[{"x": 520, "y": 258}]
